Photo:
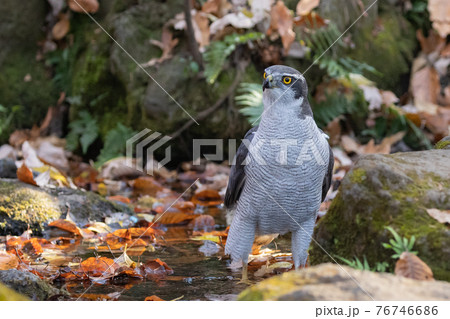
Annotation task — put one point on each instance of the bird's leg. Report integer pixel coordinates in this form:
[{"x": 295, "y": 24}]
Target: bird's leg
[
  {"x": 244, "y": 278},
  {"x": 301, "y": 238}
]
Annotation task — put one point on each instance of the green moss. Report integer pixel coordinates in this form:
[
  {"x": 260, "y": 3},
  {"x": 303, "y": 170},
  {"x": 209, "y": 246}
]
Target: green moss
[
  {"x": 22, "y": 206},
  {"x": 389, "y": 49},
  {"x": 356, "y": 226},
  {"x": 357, "y": 176},
  {"x": 7, "y": 294}
]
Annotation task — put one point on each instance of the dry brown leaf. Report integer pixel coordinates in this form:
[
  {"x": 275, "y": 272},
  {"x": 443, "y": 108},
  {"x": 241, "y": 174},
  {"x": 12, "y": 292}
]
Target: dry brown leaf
[
  {"x": 207, "y": 197},
  {"x": 32, "y": 247},
  {"x": 169, "y": 218},
  {"x": 440, "y": 15},
  {"x": 352, "y": 146},
  {"x": 166, "y": 44},
  {"x": 442, "y": 216},
  {"x": 310, "y": 20},
  {"x": 146, "y": 185},
  {"x": 153, "y": 298},
  {"x": 90, "y": 6},
  {"x": 25, "y": 175},
  {"x": 67, "y": 225},
  {"x": 281, "y": 21},
  {"x": 201, "y": 29},
  {"x": 388, "y": 97},
  {"x": 61, "y": 28},
  {"x": 437, "y": 124},
  {"x": 411, "y": 266},
  {"x": 98, "y": 267},
  {"x": 425, "y": 87},
  {"x": 8, "y": 261},
  {"x": 304, "y": 7}
]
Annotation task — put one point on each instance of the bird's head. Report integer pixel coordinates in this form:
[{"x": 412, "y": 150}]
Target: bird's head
[{"x": 285, "y": 87}]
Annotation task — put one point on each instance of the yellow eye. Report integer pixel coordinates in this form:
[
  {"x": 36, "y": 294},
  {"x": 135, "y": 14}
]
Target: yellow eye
[
  {"x": 287, "y": 80},
  {"x": 264, "y": 75}
]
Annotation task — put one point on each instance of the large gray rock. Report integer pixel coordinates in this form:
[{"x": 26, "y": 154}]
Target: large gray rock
[
  {"x": 389, "y": 190},
  {"x": 29, "y": 284},
  {"x": 332, "y": 282},
  {"x": 22, "y": 205}
]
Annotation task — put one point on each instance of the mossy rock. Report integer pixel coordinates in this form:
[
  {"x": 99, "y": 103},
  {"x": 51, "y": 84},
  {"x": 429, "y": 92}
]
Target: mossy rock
[
  {"x": 329, "y": 282},
  {"x": 389, "y": 190},
  {"x": 20, "y": 31},
  {"x": 22, "y": 205},
  {"x": 29, "y": 284},
  {"x": 7, "y": 294}
]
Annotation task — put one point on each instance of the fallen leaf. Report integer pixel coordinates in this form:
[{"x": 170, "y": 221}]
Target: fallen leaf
[
  {"x": 166, "y": 44},
  {"x": 171, "y": 218},
  {"x": 146, "y": 185},
  {"x": 389, "y": 97},
  {"x": 201, "y": 29},
  {"x": 373, "y": 96},
  {"x": 61, "y": 28},
  {"x": 67, "y": 225},
  {"x": 32, "y": 247},
  {"x": 425, "y": 87},
  {"x": 440, "y": 16},
  {"x": 119, "y": 198},
  {"x": 25, "y": 175},
  {"x": 311, "y": 20},
  {"x": 8, "y": 261},
  {"x": 99, "y": 267},
  {"x": 154, "y": 268},
  {"x": 304, "y": 7},
  {"x": 282, "y": 22},
  {"x": 411, "y": 266},
  {"x": 207, "y": 197},
  {"x": 90, "y": 6},
  {"x": 153, "y": 298},
  {"x": 442, "y": 216},
  {"x": 125, "y": 261}
]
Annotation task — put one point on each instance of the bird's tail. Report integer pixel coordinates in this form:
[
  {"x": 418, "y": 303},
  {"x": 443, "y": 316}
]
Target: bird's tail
[{"x": 240, "y": 239}]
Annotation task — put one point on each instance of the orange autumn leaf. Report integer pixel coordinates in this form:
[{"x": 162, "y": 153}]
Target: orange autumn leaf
[
  {"x": 144, "y": 232},
  {"x": 185, "y": 207},
  {"x": 207, "y": 197},
  {"x": 97, "y": 267},
  {"x": 66, "y": 225},
  {"x": 146, "y": 185},
  {"x": 121, "y": 233},
  {"x": 32, "y": 247},
  {"x": 8, "y": 261},
  {"x": 170, "y": 218},
  {"x": 119, "y": 198},
  {"x": 14, "y": 242},
  {"x": 153, "y": 298},
  {"x": 25, "y": 175}
]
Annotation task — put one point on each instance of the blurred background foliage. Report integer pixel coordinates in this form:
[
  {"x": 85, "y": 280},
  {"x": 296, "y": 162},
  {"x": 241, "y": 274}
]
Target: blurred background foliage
[{"x": 377, "y": 79}]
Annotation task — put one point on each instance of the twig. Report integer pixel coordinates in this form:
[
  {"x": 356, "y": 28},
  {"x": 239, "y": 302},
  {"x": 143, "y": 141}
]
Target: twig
[{"x": 191, "y": 35}]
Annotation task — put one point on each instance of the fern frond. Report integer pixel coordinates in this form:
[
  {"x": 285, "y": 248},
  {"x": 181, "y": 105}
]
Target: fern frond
[{"x": 251, "y": 101}]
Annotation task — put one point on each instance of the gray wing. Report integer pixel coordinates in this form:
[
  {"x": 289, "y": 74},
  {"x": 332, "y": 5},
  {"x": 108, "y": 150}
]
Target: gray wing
[
  {"x": 237, "y": 172},
  {"x": 327, "y": 180}
]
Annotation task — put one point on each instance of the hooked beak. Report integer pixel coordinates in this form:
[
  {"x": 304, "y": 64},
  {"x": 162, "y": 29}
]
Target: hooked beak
[{"x": 268, "y": 82}]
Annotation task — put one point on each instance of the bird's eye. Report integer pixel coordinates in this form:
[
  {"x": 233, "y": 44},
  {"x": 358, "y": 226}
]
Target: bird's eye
[
  {"x": 264, "y": 75},
  {"x": 287, "y": 80}
]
